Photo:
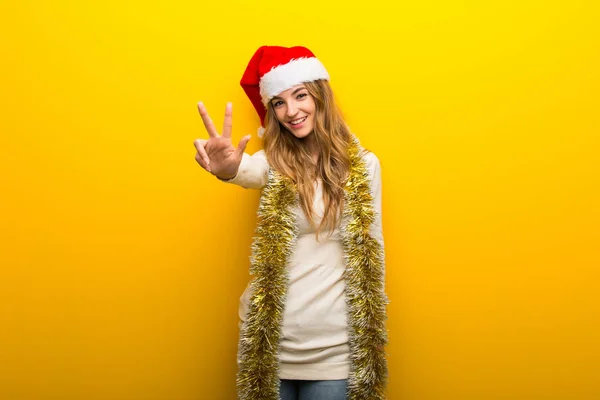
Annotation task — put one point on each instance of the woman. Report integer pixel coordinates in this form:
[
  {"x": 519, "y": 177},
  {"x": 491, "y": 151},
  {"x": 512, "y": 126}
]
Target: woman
[{"x": 312, "y": 321}]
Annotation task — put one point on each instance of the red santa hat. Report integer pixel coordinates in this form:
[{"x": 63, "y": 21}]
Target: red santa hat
[{"x": 274, "y": 69}]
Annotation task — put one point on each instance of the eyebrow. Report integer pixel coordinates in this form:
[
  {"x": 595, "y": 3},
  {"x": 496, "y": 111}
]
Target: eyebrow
[{"x": 293, "y": 93}]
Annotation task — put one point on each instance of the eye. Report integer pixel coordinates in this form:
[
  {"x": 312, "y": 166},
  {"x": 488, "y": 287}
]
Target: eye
[
  {"x": 277, "y": 103},
  {"x": 301, "y": 95}
]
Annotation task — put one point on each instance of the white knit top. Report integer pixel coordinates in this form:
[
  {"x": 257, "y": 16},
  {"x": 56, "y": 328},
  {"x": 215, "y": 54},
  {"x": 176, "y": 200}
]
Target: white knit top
[{"x": 315, "y": 336}]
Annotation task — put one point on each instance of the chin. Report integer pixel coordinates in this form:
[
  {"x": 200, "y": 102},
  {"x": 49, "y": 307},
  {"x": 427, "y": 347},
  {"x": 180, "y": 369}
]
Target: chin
[{"x": 303, "y": 133}]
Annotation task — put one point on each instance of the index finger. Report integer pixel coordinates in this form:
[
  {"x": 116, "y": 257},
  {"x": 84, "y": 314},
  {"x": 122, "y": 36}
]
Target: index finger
[{"x": 210, "y": 127}]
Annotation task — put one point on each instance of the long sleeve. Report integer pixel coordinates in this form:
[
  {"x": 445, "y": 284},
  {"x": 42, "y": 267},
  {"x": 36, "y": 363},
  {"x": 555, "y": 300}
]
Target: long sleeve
[
  {"x": 253, "y": 172},
  {"x": 374, "y": 168}
]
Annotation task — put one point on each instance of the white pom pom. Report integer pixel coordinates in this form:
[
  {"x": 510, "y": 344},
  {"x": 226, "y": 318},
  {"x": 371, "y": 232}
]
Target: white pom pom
[{"x": 261, "y": 132}]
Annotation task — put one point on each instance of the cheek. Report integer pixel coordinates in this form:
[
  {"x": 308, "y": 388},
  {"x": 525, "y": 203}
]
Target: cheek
[{"x": 279, "y": 114}]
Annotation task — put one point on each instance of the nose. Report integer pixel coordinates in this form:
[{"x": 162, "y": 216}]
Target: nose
[{"x": 292, "y": 109}]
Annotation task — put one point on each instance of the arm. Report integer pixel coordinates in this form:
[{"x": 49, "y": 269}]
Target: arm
[
  {"x": 253, "y": 171},
  {"x": 374, "y": 168}
]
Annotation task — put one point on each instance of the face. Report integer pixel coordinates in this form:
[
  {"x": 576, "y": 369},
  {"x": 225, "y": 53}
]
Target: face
[{"x": 295, "y": 109}]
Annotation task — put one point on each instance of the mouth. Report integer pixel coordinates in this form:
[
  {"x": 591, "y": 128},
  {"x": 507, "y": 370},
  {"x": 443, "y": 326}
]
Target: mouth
[{"x": 298, "y": 122}]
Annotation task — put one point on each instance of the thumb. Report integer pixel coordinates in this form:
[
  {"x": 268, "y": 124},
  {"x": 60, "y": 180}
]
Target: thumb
[{"x": 242, "y": 145}]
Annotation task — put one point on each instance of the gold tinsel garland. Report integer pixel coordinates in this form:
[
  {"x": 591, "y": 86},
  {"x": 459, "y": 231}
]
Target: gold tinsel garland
[{"x": 274, "y": 241}]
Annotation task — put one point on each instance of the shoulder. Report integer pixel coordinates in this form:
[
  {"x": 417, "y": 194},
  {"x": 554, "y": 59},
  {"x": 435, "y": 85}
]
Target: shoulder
[
  {"x": 259, "y": 157},
  {"x": 260, "y": 154},
  {"x": 371, "y": 161},
  {"x": 373, "y": 167}
]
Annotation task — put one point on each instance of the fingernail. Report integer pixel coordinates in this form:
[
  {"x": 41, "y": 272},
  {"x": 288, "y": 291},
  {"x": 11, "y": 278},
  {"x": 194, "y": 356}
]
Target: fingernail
[{"x": 200, "y": 103}]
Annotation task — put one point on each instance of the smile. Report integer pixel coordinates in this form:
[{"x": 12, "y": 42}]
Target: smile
[{"x": 298, "y": 121}]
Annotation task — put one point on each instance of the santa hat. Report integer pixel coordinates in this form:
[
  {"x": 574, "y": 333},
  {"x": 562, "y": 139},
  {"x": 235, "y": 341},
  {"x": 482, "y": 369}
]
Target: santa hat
[{"x": 274, "y": 69}]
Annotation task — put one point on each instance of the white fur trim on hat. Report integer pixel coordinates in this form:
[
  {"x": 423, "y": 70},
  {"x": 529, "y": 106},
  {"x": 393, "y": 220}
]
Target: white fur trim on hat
[{"x": 283, "y": 77}]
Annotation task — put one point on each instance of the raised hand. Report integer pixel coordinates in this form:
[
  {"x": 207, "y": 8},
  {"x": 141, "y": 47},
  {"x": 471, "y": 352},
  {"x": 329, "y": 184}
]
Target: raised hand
[{"x": 217, "y": 155}]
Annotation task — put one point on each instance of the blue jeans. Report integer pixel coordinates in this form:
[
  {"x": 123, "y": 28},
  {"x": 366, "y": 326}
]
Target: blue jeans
[{"x": 291, "y": 389}]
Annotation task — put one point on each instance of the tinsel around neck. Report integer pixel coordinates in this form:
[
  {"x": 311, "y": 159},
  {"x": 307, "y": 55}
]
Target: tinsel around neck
[{"x": 273, "y": 244}]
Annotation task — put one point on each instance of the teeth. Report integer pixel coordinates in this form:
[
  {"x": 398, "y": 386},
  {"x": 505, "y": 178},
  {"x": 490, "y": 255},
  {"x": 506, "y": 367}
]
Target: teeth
[{"x": 295, "y": 122}]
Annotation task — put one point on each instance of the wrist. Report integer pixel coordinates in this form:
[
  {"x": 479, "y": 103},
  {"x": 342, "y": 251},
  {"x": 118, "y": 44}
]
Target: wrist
[{"x": 225, "y": 178}]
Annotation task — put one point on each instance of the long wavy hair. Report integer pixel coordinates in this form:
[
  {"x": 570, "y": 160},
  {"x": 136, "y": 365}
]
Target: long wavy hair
[{"x": 290, "y": 156}]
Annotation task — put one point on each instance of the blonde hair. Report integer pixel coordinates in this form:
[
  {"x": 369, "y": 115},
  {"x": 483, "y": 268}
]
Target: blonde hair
[{"x": 289, "y": 155}]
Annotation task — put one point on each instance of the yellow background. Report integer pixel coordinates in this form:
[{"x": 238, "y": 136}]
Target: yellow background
[{"x": 123, "y": 261}]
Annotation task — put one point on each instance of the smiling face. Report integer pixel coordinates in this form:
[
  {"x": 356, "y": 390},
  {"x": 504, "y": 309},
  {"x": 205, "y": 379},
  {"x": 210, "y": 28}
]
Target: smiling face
[{"x": 295, "y": 110}]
